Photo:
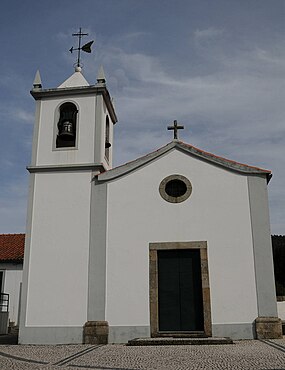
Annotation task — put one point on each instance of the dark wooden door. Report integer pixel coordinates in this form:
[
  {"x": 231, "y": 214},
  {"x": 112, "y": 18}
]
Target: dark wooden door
[{"x": 180, "y": 304}]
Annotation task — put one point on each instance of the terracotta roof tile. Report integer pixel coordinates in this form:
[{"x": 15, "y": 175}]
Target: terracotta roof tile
[
  {"x": 12, "y": 247},
  {"x": 211, "y": 155}
]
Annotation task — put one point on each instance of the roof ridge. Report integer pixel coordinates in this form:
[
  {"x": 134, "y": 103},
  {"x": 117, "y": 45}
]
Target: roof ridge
[
  {"x": 191, "y": 150},
  {"x": 134, "y": 160},
  {"x": 224, "y": 158},
  {"x": 13, "y": 234}
]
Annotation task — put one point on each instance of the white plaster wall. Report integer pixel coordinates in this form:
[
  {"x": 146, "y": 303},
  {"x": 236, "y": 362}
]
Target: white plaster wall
[
  {"x": 58, "y": 261},
  {"x": 281, "y": 310},
  {"x": 12, "y": 281},
  {"x": 47, "y": 132},
  {"x": 217, "y": 212}
]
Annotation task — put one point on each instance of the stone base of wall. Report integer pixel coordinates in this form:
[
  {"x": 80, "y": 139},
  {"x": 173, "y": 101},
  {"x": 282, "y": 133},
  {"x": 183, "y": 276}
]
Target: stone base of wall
[
  {"x": 96, "y": 332},
  {"x": 268, "y": 328}
]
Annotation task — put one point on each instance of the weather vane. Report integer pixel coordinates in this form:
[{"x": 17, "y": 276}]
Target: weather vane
[{"x": 86, "y": 47}]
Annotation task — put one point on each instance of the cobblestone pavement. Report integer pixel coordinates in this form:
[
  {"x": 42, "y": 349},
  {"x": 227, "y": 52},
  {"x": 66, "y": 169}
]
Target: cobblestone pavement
[{"x": 248, "y": 354}]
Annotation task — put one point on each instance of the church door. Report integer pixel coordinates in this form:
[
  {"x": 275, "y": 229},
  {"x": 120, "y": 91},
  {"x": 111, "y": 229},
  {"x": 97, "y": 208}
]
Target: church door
[{"x": 180, "y": 301}]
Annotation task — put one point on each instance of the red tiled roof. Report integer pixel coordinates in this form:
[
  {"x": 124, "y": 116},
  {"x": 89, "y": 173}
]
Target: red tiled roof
[{"x": 12, "y": 247}]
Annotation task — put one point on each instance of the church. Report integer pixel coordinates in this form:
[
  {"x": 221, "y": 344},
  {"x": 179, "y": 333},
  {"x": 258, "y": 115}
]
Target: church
[{"x": 173, "y": 244}]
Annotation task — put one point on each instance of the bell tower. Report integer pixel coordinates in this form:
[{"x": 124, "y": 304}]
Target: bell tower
[
  {"x": 74, "y": 123},
  {"x": 73, "y": 141}
]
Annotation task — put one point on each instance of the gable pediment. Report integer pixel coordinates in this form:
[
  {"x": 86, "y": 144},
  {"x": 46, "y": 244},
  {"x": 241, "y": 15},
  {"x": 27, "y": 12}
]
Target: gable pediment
[{"x": 188, "y": 150}]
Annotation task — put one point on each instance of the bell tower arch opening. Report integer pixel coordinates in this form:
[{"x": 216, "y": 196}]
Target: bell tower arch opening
[
  {"x": 107, "y": 139},
  {"x": 67, "y": 126}
]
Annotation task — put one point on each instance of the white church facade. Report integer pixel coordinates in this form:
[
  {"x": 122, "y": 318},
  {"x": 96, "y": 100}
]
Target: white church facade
[{"x": 176, "y": 243}]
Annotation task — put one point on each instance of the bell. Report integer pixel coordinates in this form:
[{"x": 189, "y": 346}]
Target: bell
[
  {"x": 67, "y": 132},
  {"x": 107, "y": 145}
]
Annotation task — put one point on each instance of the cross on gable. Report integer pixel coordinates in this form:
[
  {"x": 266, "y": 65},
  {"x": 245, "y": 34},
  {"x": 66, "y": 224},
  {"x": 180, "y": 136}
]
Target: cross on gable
[{"x": 175, "y": 129}]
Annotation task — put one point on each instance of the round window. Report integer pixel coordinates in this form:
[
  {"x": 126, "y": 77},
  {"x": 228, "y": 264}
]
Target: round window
[{"x": 175, "y": 188}]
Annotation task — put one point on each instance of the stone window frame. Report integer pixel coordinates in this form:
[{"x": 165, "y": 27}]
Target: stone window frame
[
  {"x": 153, "y": 286},
  {"x": 172, "y": 199}
]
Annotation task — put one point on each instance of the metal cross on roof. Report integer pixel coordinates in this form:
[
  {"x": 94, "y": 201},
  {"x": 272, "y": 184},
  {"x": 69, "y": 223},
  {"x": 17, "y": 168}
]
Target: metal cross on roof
[
  {"x": 86, "y": 47},
  {"x": 175, "y": 129}
]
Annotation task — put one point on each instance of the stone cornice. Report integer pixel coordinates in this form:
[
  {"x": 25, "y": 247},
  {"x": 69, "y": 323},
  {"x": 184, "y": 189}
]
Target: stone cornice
[
  {"x": 64, "y": 167},
  {"x": 97, "y": 89}
]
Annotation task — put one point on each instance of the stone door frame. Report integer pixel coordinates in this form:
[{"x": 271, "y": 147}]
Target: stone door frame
[{"x": 153, "y": 286}]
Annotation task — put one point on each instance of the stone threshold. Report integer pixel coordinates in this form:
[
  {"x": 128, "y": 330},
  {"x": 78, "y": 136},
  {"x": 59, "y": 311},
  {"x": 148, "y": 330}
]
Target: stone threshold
[{"x": 170, "y": 341}]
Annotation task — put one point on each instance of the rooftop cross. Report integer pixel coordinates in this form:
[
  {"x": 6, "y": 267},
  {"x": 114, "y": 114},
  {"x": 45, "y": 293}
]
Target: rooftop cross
[
  {"x": 86, "y": 47},
  {"x": 175, "y": 129}
]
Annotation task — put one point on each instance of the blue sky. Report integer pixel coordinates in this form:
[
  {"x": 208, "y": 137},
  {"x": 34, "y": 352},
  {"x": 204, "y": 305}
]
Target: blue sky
[{"x": 218, "y": 67}]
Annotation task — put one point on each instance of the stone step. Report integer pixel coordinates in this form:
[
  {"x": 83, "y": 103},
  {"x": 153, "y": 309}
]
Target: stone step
[{"x": 170, "y": 341}]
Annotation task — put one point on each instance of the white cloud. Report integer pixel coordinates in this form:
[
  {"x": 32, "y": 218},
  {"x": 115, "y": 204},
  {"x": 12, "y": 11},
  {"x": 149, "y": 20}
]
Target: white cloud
[
  {"x": 222, "y": 99},
  {"x": 24, "y": 116},
  {"x": 6, "y": 163},
  {"x": 208, "y": 33},
  {"x": 9, "y": 113},
  {"x": 134, "y": 35}
]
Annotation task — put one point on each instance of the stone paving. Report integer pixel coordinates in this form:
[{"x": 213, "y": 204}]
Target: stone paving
[{"x": 248, "y": 354}]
